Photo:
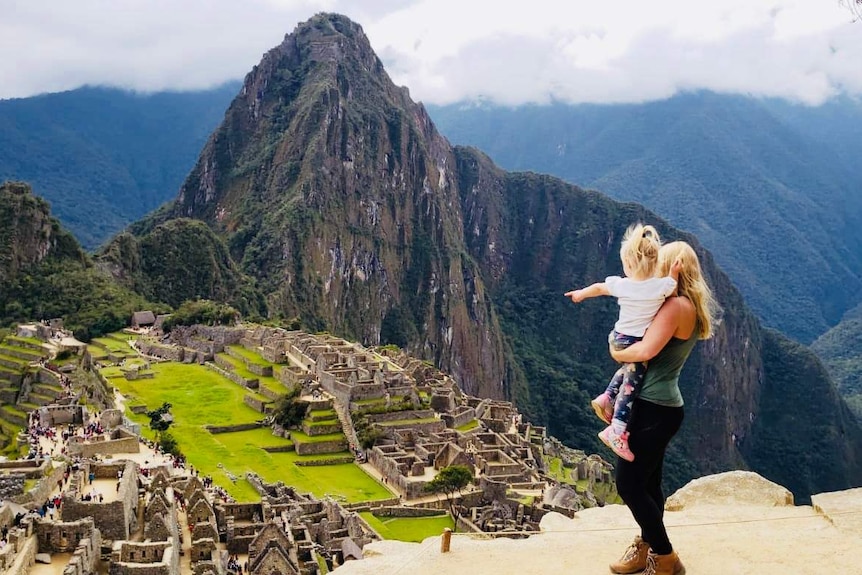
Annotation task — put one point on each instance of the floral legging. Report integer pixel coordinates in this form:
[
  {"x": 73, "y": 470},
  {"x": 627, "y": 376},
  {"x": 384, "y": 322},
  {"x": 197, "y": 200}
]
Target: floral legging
[{"x": 627, "y": 381}]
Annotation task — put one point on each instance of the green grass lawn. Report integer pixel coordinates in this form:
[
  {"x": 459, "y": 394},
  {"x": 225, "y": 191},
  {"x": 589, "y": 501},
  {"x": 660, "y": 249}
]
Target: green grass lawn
[
  {"x": 114, "y": 345},
  {"x": 198, "y": 397},
  {"x": 266, "y": 381},
  {"x": 412, "y": 529},
  {"x": 97, "y": 352},
  {"x": 19, "y": 340},
  {"x": 472, "y": 424},
  {"x": 31, "y": 354},
  {"x": 303, "y": 438},
  {"x": 250, "y": 355}
]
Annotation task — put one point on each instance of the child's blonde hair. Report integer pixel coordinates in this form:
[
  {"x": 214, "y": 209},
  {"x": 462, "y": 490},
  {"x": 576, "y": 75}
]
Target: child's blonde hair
[
  {"x": 639, "y": 251},
  {"x": 691, "y": 284}
]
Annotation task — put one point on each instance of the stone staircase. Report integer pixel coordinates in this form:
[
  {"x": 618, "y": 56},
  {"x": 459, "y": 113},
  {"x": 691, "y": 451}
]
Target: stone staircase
[{"x": 346, "y": 423}]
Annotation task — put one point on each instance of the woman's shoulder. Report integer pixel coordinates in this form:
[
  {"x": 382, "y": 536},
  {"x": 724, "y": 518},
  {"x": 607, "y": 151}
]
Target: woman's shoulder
[
  {"x": 680, "y": 311},
  {"x": 679, "y": 303}
]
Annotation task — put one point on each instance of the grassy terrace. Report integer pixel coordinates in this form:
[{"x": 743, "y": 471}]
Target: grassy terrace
[
  {"x": 97, "y": 352},
  {"x": 113, "y": 344},
  {"x": 413, "y": 529},
  {"x": 21, "y": 363},
  {"x": 472, "y": 424},
  {"x": 32, "y": 354},
  {"x": 202, "y": 397},
  {"x": 407, "y": 422},
  {"x": 267, "y": 382},
  {"x": 303, "y": 438},
  {"x": 14, "y": 339},
  {"x": 14, "y": 410},
  {"x": 250, "y": 355}
]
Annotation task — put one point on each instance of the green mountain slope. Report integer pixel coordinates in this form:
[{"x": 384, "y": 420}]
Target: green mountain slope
[
  {"x": 178, "y": 261},
  {"x": 336, "y": 193},
  {"x": 770, "y": 188},
  {"x": 44, "y": 273},
  {"x": 840, "y": 348},
  {"x": 104, "y": 157}
]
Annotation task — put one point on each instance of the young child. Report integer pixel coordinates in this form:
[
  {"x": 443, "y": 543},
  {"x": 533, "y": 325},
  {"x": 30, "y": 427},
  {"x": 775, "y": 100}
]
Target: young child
[{"x": 640, "y": 295}]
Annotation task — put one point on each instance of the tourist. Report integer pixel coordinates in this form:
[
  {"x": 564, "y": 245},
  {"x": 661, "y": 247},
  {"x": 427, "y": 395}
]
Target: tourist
[
  {"x": 640, "y": 295},
  {"x": 657, "y": 413}
]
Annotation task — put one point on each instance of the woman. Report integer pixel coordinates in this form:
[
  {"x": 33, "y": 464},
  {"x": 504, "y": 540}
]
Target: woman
[{"x": 658, "y": 411}]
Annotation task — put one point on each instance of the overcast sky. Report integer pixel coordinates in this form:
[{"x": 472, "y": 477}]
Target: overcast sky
[{"x": 508, "y": 51}]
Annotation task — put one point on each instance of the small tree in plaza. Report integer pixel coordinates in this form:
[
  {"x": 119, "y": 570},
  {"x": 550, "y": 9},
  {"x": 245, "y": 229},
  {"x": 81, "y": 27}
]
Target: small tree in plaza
[
  {"x": 451, "y": 480},
  {"x": 160, "y": 419}
]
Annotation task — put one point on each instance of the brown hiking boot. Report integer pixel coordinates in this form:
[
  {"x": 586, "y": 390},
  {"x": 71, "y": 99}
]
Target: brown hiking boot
[
  {"x": 634, "y": 560},
  {"x": 663, "y": 564}
]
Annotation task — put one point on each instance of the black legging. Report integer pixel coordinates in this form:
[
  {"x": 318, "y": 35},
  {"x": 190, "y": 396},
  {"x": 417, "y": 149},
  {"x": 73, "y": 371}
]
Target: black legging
[{"x": 651, "y": 428}]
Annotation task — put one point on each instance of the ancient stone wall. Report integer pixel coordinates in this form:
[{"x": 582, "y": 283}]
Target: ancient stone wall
[
  {"x": 55, "y": 415},
  {"x": 171, "y": 353},
  {"x": 64, "y": 536},
  {"x": 401, "y": 415},
  {"x": 234, "y": 377},
  {"x": 121, "y": 441},
  {"x": 117, "y": 519},
  {"x": 320, "y": 447},
  {"x": 19, "y": 555},
  {"x": 400, "y": 511},
  {"x": 42, "y": 489},
  {"x": 256, "y": 404},
  {"x": 367, "y": 391},
  {"x": 85, "y": 558},
  {"x": 214, "y": 429}
]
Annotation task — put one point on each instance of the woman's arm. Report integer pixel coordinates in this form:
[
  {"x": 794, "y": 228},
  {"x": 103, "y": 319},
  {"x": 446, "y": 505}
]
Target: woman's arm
[{"x": 667, "y": 321}]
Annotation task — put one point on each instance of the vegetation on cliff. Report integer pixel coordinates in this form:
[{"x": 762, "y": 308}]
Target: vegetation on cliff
[
  {"x": 181, "y": 260},
  {"x": 45, "y": 274},
  {"x": 756, "y": 180},
  {"x": 840, "y": 348}
]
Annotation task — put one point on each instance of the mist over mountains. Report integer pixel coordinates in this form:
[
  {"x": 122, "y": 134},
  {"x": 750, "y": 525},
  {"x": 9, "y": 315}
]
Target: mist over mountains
[{"x": 328, "y": 197}]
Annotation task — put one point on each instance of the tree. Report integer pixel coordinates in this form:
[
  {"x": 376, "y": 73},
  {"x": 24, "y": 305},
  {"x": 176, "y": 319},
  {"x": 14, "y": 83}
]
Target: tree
[
  {"x": 290, "y": 409},
  {"x": 450, "y": 480},
  {"x": 368, "y": 436},
  {"x": 158, "y": 422}
]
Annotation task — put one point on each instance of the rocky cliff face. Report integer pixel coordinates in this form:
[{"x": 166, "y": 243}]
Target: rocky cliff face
[
  {"x": 335, "y": 192},
  {"x": 28, "y": 233}
]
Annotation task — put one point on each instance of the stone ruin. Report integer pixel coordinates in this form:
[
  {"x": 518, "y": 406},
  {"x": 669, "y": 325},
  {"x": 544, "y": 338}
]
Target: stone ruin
[
  {"x": 290, "y": 530},
  {"x": 426, "y": 421}
]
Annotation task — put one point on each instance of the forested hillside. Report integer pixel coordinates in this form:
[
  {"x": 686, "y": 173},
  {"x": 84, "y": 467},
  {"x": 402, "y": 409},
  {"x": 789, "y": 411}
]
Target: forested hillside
[
  {"x": 105, "y": 157},
  {"x": 771, "y": 188},
  {"x": 840, "y": 348},
  {"x": 44, "y": 273}
]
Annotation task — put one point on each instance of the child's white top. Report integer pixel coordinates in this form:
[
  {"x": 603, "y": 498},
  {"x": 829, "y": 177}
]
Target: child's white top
[{"x": 639, "y": 301}]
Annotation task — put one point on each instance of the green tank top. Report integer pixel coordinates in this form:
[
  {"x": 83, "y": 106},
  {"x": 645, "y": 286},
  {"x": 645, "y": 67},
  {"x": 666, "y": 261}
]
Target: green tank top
[{"x": 661, "y": 384}]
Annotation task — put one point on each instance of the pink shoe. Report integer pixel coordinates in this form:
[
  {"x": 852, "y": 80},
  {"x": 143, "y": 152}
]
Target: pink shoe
[
  {"x": 604, "y": 407},
  {"x": 619, "y": 443}
]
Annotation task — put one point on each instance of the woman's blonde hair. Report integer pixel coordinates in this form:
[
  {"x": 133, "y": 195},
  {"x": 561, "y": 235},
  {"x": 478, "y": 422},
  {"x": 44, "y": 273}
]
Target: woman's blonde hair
[
  {"x": 640, "y": 250},
  {"x": 691, "y": 284}
]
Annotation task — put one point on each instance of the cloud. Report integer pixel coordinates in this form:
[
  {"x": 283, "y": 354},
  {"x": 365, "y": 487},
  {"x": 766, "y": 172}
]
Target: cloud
[{"x": 450, "y": 50}]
